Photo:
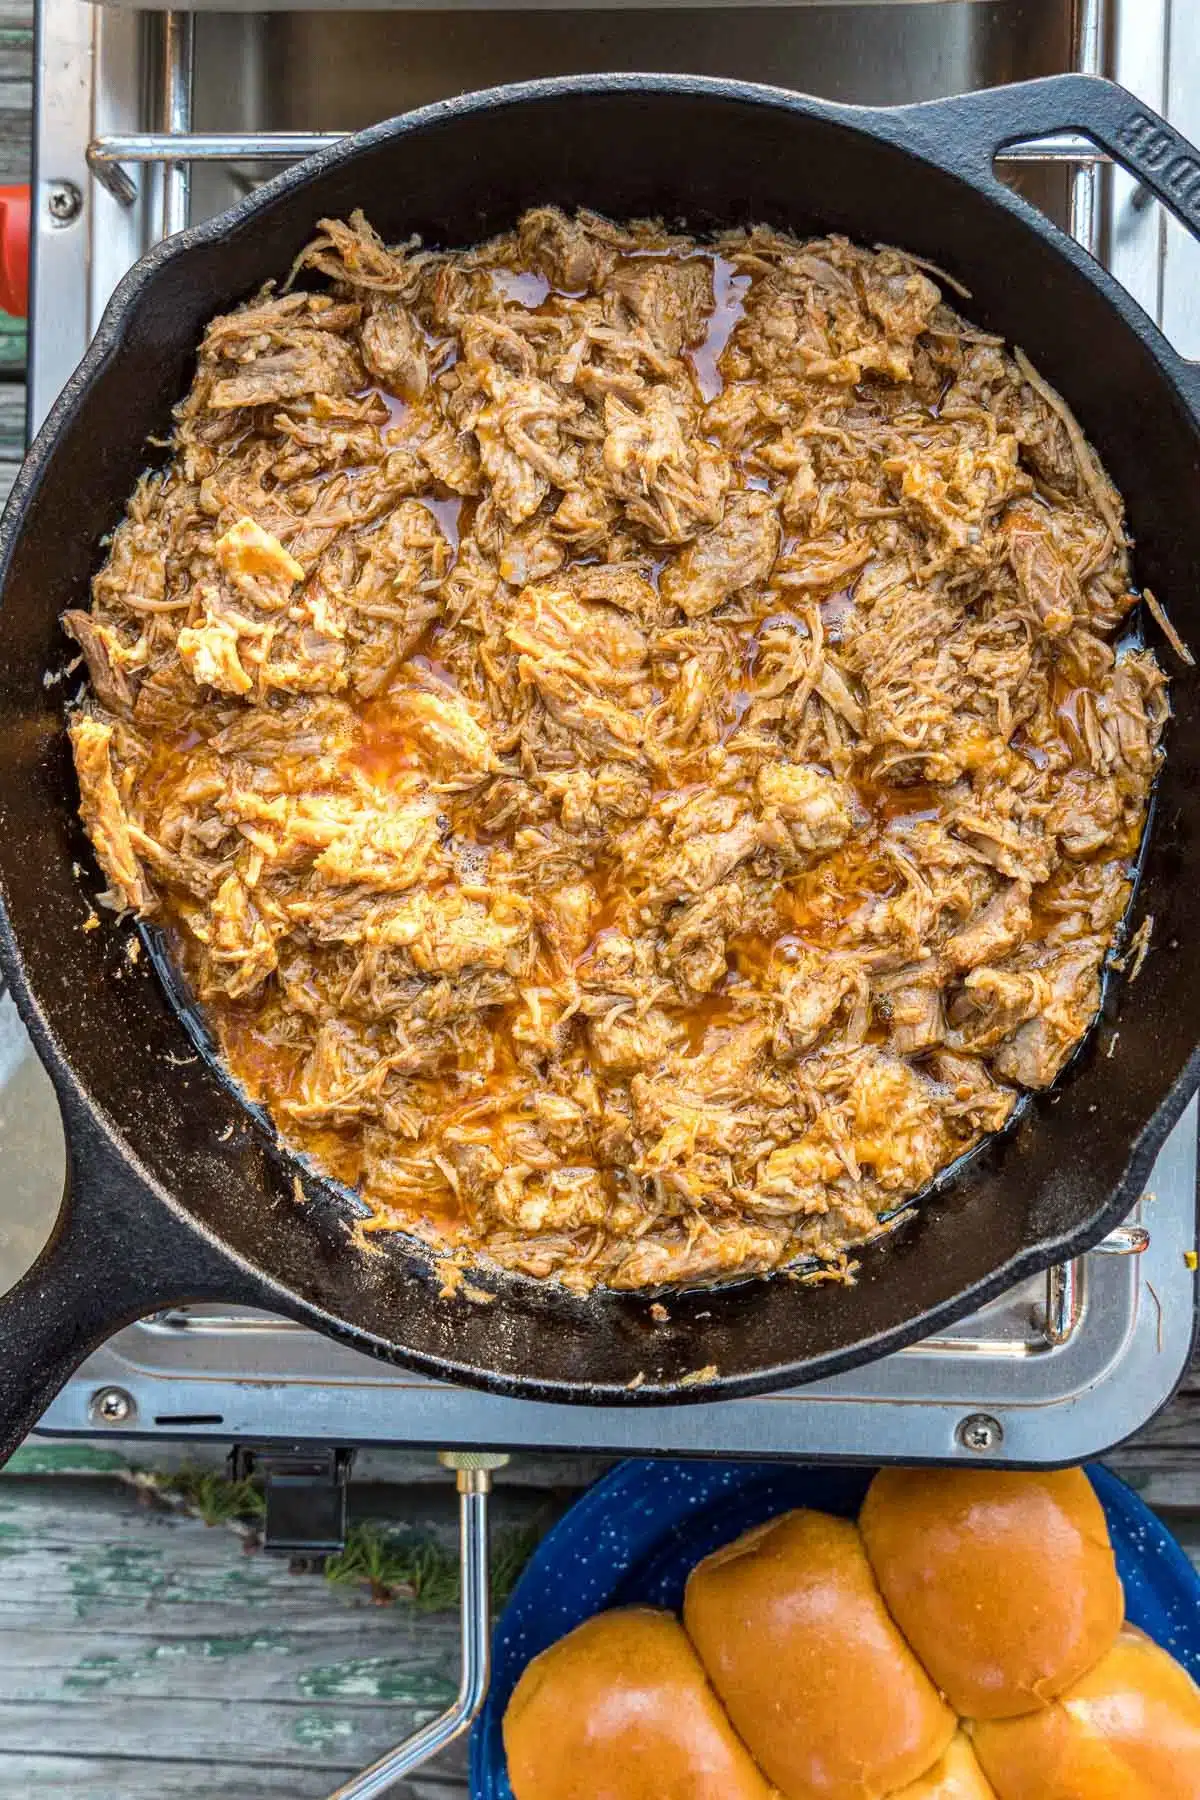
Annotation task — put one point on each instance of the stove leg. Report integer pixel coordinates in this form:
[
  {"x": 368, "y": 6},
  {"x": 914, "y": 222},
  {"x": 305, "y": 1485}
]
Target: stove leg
[{"x": 474, "y": 1473}]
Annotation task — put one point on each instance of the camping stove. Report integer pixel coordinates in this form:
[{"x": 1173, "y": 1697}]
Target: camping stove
[{"x": 148, "y": 119}]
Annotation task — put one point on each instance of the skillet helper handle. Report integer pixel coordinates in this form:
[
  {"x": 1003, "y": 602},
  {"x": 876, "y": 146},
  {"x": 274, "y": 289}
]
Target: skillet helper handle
[
  {"x": 115, "y": 1254},
  {"x": 473, "y": 1469},
  {"x": 974, "y": 128},
  {"x": 971, "y": 129}
]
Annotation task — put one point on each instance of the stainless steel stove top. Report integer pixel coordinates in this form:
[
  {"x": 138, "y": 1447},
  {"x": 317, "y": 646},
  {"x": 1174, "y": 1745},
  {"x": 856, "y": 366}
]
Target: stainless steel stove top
[{"x": 1059, "y": 1368}]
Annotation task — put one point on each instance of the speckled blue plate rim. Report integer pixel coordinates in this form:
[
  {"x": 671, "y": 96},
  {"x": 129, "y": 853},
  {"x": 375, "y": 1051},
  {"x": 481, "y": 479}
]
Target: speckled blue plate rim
[{"x": 636, "y": 1533}]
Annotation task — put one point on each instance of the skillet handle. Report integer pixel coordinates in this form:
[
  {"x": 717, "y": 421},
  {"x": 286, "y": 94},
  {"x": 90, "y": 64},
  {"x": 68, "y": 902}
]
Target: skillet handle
[
  {"x": 117, "y": 1252},
  {"x": 973, "y": 128},
  {"x": 969, "y": 130}
]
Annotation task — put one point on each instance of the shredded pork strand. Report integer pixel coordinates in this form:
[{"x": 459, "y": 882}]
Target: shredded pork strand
[{"x": 627, "y": 736}]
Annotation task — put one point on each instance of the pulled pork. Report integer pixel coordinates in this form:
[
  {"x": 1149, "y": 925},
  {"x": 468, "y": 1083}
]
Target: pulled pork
[{"x": 626, "y": 735}]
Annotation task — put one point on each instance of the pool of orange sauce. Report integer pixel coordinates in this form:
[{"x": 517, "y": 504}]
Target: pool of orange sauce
[
  {"x": 729, "y": 300},
  {"x": 266, "y": 1070},
  {"x": 710, "y": 1019},
  {"x": 269, "y": 1072},
  {"x": 385, "y": 751}
]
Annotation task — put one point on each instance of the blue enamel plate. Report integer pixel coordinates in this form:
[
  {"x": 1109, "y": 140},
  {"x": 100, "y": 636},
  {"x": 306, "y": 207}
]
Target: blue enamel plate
[{"x": 636, "y": 1535}]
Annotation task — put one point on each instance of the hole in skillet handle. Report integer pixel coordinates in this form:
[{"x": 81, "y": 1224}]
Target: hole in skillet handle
[{"x": 118, "y": 1251}]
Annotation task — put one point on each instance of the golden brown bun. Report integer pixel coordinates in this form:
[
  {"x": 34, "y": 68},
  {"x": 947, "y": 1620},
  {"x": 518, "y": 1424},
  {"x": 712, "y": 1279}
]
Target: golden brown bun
[
  {"x": 1003, "y": 1583},
  {"x": 620, "y": 1710},
  {"x": 1128, "y": 1730},
  {"x": 816, "y": 1678},
  {"x": 955, "y": 1776}
]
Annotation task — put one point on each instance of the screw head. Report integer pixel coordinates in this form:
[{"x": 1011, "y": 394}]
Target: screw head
[
  {"x": 112, "y": 1406},
  {"x": 64, "y": 202},
  {"x": 980, "y": 1432}
]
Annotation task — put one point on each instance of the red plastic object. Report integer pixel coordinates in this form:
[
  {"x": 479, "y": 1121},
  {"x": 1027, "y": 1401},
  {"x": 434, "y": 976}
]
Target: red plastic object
[{"x": 14, "y": 251}]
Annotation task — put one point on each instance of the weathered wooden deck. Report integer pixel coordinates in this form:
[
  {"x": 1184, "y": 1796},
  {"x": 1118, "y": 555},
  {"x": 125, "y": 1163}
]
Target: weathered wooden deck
[{"x": 144, "y": 1654}]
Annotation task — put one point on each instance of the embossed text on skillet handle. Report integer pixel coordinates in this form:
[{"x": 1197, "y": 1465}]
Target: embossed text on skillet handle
[{"x": 1168, "y": 165}]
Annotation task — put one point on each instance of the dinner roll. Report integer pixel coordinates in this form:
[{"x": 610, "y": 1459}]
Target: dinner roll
[
  {"x": 1127, "y": 1730},
  {"x": 955, "y": 1776},
  {"x": 620, "y": 1710},
  {"x": 1004, "y": 1584},
  {"x": 819, "y": 1683}
]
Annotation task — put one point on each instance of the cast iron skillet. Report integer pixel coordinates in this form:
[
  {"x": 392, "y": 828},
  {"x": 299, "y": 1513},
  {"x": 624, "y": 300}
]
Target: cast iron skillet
[{"x": 173, "y": 1193}]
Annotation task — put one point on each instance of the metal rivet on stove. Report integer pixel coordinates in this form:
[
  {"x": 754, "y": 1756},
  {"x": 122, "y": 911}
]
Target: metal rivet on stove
[
  {"x": 64, "y": 202},
  {"x": 112, "y": 1406},
  {"x": 980, "y": 1432}
]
